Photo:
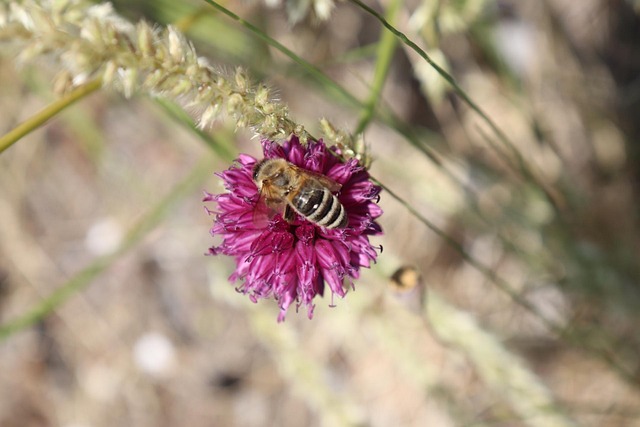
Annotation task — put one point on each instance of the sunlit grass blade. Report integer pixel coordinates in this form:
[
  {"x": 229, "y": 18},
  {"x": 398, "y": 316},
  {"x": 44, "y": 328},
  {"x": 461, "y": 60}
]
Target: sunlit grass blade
[{"x": 384, "y": 55}]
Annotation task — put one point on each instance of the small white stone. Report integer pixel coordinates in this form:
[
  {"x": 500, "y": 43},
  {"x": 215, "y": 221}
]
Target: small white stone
[
  {"x": 154, "y": 354},
  {"x": 104, "y": 236}
]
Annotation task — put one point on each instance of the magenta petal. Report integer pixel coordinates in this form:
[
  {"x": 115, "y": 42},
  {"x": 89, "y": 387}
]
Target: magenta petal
[
  {"x": 305, "y": 233},
  {"x": 332, "y": 269},
  {"x": 341, "y": 172},
  {"x": 246, "y": 160},
  {"x": 208, "y": 197},
  {"x": 272, "y": 149},
  {"x": 295, "y": 152},
  {"x": 315, "y": 157},
  {"x": 306, "y": 266}
]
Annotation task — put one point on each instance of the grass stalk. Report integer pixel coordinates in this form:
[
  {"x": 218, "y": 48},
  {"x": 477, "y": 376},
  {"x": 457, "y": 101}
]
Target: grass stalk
[
  {"x": 42, "y": 116},
  {"x": 384, "y": 53}
]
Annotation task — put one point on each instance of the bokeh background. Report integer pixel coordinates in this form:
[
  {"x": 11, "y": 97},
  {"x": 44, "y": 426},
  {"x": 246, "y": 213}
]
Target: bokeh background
[{"x": 156, "y": 336}]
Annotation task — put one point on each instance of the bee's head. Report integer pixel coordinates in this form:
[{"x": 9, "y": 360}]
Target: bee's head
[{"x": 268, "y": 169}]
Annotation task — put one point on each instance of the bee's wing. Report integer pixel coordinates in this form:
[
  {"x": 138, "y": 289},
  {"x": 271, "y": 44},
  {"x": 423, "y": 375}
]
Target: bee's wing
[
  {"x": 320, "y": 179},
  {"x": 269, "y": 204}
]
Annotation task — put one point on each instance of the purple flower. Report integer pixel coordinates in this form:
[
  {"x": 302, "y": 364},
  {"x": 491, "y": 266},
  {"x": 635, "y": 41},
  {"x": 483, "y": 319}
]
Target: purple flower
[{"x": 292, "y": 261}]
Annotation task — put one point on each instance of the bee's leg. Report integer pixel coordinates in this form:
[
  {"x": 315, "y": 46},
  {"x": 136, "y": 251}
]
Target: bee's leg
[{"x": 288, "y": 214}]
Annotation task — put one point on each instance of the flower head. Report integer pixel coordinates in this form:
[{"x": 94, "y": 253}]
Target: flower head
[{"x": 293, "y": 260}]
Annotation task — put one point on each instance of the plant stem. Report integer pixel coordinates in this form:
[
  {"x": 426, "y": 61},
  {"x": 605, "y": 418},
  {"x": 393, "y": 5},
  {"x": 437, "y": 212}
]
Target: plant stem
[
  {"x": 384, "y": 53},
  {"x": 37, "y": 120}
]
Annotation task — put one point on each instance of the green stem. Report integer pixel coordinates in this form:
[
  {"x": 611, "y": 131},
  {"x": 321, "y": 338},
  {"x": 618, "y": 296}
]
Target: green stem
[
  {"x": 46, "y": 113},
  {"x": 385, "y": 51}
]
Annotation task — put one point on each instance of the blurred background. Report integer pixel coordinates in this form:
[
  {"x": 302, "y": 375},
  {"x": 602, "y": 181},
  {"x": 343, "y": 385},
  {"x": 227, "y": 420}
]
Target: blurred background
[{"x": 532, "y": 270}]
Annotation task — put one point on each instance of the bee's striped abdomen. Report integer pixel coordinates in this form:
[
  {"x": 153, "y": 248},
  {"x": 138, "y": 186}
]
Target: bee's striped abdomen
[{"x": 318, "y": 205}]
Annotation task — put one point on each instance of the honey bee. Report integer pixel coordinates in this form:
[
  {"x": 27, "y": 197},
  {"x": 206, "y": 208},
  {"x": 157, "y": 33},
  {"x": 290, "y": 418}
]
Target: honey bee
[{"x": 287, "y": 189}]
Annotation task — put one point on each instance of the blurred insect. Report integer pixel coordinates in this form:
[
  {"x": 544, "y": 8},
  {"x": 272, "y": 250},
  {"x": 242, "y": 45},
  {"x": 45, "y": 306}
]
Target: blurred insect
[
  {"x": 405, "y": 279},
  {"x": 408, "y": 287},
  {"x": 287, "y": 189}
]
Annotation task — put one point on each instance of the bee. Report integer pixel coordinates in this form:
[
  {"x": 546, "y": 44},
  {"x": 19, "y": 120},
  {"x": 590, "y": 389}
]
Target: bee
[{"x": 288, "y": 189}]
